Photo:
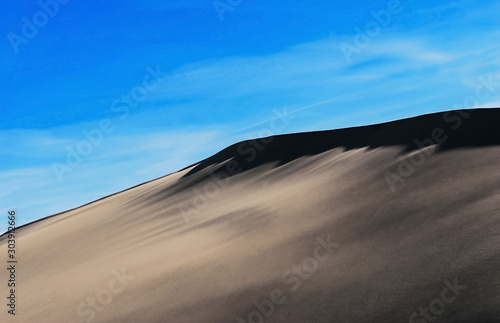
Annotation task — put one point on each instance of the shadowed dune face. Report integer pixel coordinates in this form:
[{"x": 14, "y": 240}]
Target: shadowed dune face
[
  {"x": 311, "y": 230},
  {"x": 452, "y": 130}
]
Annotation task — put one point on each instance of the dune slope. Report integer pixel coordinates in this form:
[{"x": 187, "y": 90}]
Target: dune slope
[{"x": 394, "y": 222}]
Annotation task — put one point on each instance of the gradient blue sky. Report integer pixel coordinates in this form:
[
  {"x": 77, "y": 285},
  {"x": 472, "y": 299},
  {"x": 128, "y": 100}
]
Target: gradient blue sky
[{"x": 222, "y": 81}]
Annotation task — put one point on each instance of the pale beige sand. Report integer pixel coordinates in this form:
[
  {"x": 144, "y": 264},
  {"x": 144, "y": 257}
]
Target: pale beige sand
[{"x": 395, "y": 248}]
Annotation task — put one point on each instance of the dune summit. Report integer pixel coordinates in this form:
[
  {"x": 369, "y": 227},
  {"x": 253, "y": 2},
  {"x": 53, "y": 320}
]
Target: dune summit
[{"x": 396, "y": 222}]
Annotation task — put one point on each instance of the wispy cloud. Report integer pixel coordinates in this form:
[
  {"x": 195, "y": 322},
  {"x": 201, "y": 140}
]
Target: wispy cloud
[{"x": 123, "y": 160}]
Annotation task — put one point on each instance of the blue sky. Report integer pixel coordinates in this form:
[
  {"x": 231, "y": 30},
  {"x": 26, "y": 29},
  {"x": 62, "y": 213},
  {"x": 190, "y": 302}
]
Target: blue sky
[{"x": 221, "y": 75}]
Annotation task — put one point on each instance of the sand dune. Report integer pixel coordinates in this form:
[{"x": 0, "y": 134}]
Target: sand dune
[{"x": 367, "y": 224}]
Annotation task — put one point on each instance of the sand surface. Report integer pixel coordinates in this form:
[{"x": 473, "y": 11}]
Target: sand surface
[{"x": 309, "y": 222}]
